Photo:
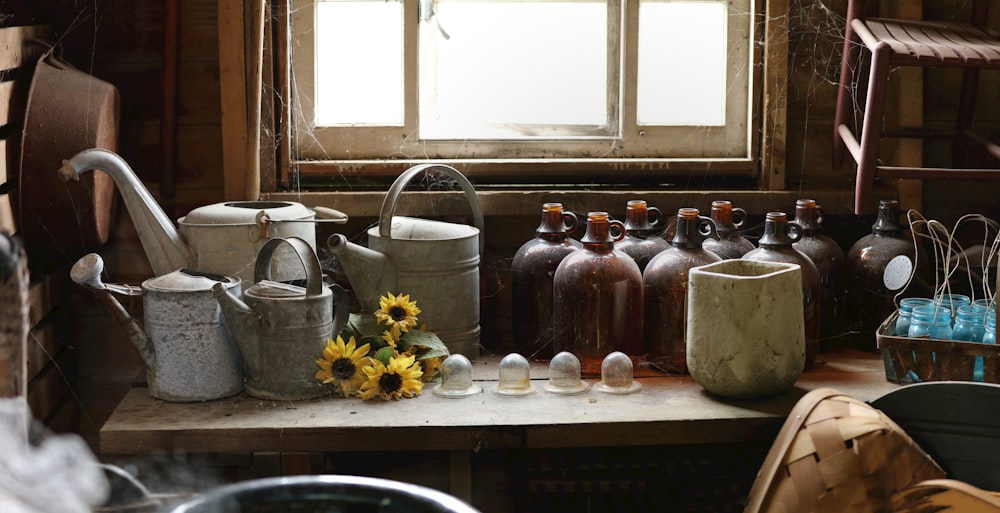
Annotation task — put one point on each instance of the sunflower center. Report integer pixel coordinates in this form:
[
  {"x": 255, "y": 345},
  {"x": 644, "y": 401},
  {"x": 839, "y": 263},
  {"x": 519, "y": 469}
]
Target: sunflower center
[
  {"x": 390, "y": 383},
  {"x": 342, "y": 368},
  {"x": 397, "y": 313}
]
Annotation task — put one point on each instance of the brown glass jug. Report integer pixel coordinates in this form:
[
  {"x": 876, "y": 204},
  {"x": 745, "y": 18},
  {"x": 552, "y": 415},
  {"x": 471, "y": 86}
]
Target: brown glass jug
[
  {"x": 597, "y": 293},
  {"x": 532, "y": 271},
  {"x": 830, "y": 262},
  {"x": 728, "y": 221},
  {"x": 867, "y": 262},
  {"x": 642, "y": 226},
  {"x": 664, "y": 285},
  {"x": 776, "y": 245}
]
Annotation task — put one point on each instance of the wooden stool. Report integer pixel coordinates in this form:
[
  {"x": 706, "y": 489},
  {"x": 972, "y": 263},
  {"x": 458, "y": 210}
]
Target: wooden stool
[{"x": 893, "y": 43}]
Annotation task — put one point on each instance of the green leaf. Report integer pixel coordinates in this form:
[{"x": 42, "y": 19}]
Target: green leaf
[
  {"x": 383, "y": 355},
  {"x": 425, "y": 343}
]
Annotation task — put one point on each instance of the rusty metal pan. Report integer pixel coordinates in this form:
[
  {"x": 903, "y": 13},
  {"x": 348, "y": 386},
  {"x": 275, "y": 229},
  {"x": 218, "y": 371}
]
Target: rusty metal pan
[{"x": 67, "y": 111}]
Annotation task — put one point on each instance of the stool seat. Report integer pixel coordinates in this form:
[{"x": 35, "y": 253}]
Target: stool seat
[{"x": 929, "y": 43}]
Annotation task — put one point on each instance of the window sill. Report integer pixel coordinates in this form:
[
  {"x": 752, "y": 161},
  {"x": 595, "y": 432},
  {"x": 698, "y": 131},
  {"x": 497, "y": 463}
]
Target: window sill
[{"x": 527, "y": 201}]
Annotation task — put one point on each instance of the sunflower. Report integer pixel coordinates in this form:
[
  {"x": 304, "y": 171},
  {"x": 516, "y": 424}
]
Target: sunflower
[
  {"x": 431, "y": 367},
  {"x": 390, "y": 338},
  {"x": 401, "y": 378},
  {"x": 342, "y": 364},
  {"x": 398, "y": 312}
]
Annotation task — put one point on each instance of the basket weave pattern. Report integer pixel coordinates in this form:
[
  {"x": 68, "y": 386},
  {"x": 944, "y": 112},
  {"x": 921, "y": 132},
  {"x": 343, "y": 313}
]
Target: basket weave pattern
[{"x": 835, "y": 454}]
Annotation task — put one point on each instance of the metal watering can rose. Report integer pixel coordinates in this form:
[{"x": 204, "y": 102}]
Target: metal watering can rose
[{"x": 436, "y": 263}]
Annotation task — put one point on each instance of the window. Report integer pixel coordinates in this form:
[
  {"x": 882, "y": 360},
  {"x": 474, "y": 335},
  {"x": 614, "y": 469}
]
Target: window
[{"x": 522, "y": 84}]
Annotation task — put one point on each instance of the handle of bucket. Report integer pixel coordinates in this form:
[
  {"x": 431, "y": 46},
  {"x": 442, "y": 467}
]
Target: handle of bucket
[
  {"x": 389, "y": 204},
  {"x": 310, "y": 262}
]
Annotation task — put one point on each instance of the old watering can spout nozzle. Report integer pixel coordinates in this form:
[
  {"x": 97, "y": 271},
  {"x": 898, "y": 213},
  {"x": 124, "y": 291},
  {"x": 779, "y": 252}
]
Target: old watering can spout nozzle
[
  {"x": 87, "y": 272},
  {"x": 245, "y": 326},
  {"x": 371, "y": 273},
  {"x": 164, "y": 247}
]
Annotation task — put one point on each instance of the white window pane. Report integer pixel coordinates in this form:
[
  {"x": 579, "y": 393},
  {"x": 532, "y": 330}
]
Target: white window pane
[
  {"x": 359, "y": 63},
  {"x": 682, "y": 63},
  {"x": 513, "y": 63}
]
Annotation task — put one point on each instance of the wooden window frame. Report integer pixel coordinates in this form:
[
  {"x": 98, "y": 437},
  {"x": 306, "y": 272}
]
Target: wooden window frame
[{"x": 246, "y": 64}]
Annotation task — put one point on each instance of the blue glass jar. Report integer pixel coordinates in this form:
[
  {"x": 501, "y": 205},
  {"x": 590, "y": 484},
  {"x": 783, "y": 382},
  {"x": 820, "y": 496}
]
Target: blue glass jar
[
  {"x": 906, "y": 306},
  {"x": 990, "y": 324},
  {"x": 982, "y": 306},
  {"x": 952, "y": 302},
  {"x": 968, "y": 325},
  {"x": 930, "y": 322}
]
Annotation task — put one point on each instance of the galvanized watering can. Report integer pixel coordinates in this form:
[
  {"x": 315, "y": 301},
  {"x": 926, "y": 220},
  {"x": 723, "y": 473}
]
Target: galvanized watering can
[
  {"x": 221, "y": 238},
  {"x": 189, "y": 352},
  {"x": 435, "y": 263},
  {"x": 282, "y": 328}
]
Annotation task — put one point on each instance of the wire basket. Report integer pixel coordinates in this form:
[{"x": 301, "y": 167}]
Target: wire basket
[
  {"x": 835, "y": 453},
  {"x": 915, "y": 360}
]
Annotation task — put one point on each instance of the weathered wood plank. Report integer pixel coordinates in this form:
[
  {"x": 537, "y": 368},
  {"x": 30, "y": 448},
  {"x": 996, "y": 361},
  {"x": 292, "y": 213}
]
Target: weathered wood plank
[
  {"x": 669, "y": 410},
  {"x": 775, "y": 117}
]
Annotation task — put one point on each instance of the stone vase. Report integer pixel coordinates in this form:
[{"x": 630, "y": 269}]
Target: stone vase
[{"x": 745, "y": 327}]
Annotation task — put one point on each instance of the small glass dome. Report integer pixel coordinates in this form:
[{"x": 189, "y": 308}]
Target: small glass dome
[
  {"x": 564, "y": 375},
  {"x": 515, "y": 377},
  {"x": 616, "y": 375},
  {"x": 456, "y": 378}
]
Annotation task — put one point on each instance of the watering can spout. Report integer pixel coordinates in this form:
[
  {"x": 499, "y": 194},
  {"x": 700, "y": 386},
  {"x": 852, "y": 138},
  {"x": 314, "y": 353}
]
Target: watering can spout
[
  {"x": 371, "y": 273},
  {"x": 87, "y": 272},
  {"x": 164, "y": 247},
  {"x": 244, "y": 323}
]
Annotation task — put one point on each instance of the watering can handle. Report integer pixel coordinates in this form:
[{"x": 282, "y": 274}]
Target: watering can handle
[
  {"x": 314, "y": 275},
  {"x": 389, "y": 204}
]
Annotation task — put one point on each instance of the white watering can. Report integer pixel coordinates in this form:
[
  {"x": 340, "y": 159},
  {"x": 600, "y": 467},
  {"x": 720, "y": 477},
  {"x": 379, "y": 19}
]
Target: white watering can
[
  {"x": 435, "y": 263},
  {"x": 222, "y": 238}
]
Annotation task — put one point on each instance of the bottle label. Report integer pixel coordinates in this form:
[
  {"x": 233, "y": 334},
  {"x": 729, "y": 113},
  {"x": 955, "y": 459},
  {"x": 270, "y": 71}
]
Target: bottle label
[{"x": 897, "y": 272}]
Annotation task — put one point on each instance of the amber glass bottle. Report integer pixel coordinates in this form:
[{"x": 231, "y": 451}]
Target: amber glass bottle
[
  {"x": 776, "y": 246},
  {"x": 641, "y": 241},
  {"x": 532, "y": 271},
  {"x": 830, "y": 262},
  {"x": 664, "y": 287},
  {"x": 867, "y": 262},
  {"x": 598, "y": 298},
  {"x": 728, "y": 221}
]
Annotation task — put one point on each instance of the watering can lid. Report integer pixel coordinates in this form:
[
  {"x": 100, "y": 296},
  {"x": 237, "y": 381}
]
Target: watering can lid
[
  {"x": 268, "y": 289},
  {"x": 245, "y": 212},
  {"x": 411, "y": 228},
  {"x": 186, "y": 280}
]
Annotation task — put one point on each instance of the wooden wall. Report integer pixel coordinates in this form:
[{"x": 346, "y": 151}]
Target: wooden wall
[{"x": 123, "y": 42}]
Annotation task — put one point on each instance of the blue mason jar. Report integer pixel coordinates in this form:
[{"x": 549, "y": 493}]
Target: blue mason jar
[
  {"x": 952, "y": 302},
  {"x": 991, "y": 327},
  {"x": 930, "y": 322},
  {"x": 968, "y": 325},
  {"x": 982, "y": 307},
  {"x": 905, "y": 312},
  {"x": 989, "y": 337}
]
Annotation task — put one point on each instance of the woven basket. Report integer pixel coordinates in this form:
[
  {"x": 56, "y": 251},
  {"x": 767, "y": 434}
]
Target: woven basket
[
  {"x": 946, "y": 495},
  {"x": 836, "y": 454},
  {"x": 915, "y": 360}
]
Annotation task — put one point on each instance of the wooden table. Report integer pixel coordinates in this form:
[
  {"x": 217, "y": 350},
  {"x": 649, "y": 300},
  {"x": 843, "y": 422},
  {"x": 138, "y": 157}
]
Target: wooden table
[
  {"x": 667, "y": 410},
  {"x": 502, "y": 454}
]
